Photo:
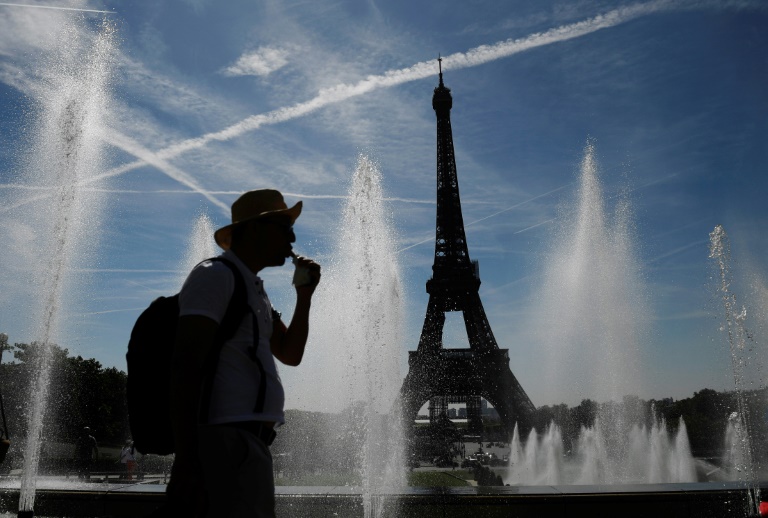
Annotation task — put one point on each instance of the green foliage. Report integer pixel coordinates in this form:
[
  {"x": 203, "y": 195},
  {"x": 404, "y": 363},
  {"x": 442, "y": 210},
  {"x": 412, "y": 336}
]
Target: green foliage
[
  {"x": 487, "y": 477},
  {"x": 437, "y": 479}
]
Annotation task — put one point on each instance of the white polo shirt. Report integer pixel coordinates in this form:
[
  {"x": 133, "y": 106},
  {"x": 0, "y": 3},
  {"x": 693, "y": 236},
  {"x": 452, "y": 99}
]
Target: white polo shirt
[{"x": 238, "y": 377}]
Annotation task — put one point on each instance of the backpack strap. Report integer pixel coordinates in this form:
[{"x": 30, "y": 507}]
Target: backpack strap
[
  {"x": 236, "y": 311},
  {"x": 262, "y": 394}
]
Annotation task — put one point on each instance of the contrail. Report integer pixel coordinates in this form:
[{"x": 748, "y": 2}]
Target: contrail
[
  {"x": 473, "y": 57},
  {"x": 431, "y": 239},
  {"x": 57, "y": 8},
  {"x": 678, "y": 250},
  {"x": 146, "y": 156},
  {"x": 112, "y": 311},
  {"x": 517, "y": 205},
  {"x": 534, "y": 226}
]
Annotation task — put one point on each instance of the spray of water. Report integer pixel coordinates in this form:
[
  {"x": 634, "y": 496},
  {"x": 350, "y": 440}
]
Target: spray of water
[
  {"x": 200, "y": 246},
  {"x": 592, "y": 299},
  {"x": 738, "y": 343},
  {"x": 356, "y": 340},
  {"x": 66, "y": 151},
  {"x": 652, "y": 456},
  {"x": 735, "y": 461}
]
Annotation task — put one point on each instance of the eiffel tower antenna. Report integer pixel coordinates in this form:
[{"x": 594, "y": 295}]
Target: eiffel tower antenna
[{"x": 443, "y": 376}]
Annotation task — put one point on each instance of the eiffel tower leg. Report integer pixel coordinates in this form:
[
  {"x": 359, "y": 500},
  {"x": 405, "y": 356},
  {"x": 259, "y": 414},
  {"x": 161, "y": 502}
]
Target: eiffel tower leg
[
  {"x": 423, "y": 376},
  {"x": 474, "y": 415},
  {"x": 431, "y": 339},
  {"x": 478, "y": 329},
  {"x": 438, "y": 409},
  {"x": 509, "y": 400},
  {"x": 507, "y": 414},
  {"x": 410, "y": 398}
]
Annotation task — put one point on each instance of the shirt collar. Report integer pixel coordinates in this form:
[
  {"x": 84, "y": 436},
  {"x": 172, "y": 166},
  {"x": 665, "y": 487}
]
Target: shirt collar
[{"x": 248, "y": 275}]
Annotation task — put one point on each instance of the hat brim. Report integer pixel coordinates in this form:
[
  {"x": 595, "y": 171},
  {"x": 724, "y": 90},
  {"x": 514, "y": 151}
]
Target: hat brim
[{"x": 223, "y": 236}]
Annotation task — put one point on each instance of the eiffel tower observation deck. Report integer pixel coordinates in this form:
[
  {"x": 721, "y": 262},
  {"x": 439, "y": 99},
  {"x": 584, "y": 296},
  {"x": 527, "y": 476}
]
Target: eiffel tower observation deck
[{"x": 439, "y": 375}]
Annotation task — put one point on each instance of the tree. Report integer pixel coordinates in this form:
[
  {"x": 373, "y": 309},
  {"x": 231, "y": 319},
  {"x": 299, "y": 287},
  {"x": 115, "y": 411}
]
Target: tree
[{"x": 585, "y": 413}]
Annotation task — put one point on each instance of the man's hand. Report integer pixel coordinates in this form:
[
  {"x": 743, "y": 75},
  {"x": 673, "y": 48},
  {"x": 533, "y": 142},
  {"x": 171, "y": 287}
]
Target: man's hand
[{"x": 311, "y": 270}]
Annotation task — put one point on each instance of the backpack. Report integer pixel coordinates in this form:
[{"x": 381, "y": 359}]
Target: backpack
[{"x": 149, "y": 357}]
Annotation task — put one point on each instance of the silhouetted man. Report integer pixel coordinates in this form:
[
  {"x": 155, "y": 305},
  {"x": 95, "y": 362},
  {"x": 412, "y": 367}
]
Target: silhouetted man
[{"x": 227, "y": 459}]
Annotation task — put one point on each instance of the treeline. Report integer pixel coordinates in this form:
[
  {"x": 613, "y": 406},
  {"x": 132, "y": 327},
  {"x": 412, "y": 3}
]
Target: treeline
[
  {"x": 706, "y": 416},
  {"x": 82, "y": 393}
]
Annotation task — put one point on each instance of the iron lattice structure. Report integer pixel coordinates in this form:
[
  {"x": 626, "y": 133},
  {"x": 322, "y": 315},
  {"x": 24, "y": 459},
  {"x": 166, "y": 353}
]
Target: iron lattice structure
[{"x": 443, "y": 375}]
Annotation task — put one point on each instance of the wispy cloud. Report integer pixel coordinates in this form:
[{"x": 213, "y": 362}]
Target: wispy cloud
[
  {"x": 267, "y": 57},
  {"x": 260, "y": 62},
  {"x": 342, "y": 92}
]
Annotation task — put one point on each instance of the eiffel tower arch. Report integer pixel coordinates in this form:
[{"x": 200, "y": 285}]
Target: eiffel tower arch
[{"x": 441, "y": 375}]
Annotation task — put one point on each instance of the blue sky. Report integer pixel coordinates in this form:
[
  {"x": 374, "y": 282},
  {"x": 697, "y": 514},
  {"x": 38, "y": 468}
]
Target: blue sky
[{"x": 204, "y": 101}]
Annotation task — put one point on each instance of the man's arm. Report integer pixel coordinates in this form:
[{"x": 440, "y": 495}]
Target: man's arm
[
  {"x": 194, "y": 339},
  {"x": 288, "y": 343}
]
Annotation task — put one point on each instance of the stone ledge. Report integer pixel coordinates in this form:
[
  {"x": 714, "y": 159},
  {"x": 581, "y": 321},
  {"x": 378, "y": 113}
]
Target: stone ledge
[{"x": 657, "y": 500}]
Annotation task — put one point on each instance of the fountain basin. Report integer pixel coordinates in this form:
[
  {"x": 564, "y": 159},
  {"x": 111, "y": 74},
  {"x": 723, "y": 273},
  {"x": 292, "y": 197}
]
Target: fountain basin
[{"x": 659, "y": 500}]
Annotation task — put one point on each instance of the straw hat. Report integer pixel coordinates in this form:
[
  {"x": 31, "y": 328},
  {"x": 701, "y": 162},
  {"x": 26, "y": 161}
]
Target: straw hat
[{"x": 252, "y": 205}]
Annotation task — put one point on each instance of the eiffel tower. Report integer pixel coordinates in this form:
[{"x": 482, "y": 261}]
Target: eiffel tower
[{"x": 442, "y": 376}]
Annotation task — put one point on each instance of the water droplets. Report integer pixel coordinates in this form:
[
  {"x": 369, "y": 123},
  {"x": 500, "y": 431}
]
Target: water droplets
[
  {"x": 72, "y": 110},
  {"x": 593, "y": 307}
]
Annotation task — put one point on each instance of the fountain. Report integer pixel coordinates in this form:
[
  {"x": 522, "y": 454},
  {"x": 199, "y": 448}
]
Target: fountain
[
  {"x": 70, "y": 111},
  {"x": 592, "y": 281},
  {"x": 653, "y": 456},
  {"x": 739, "y": 434},
  {"x": 592, "y": 302},
  {"x": 353, "y": 357}
]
